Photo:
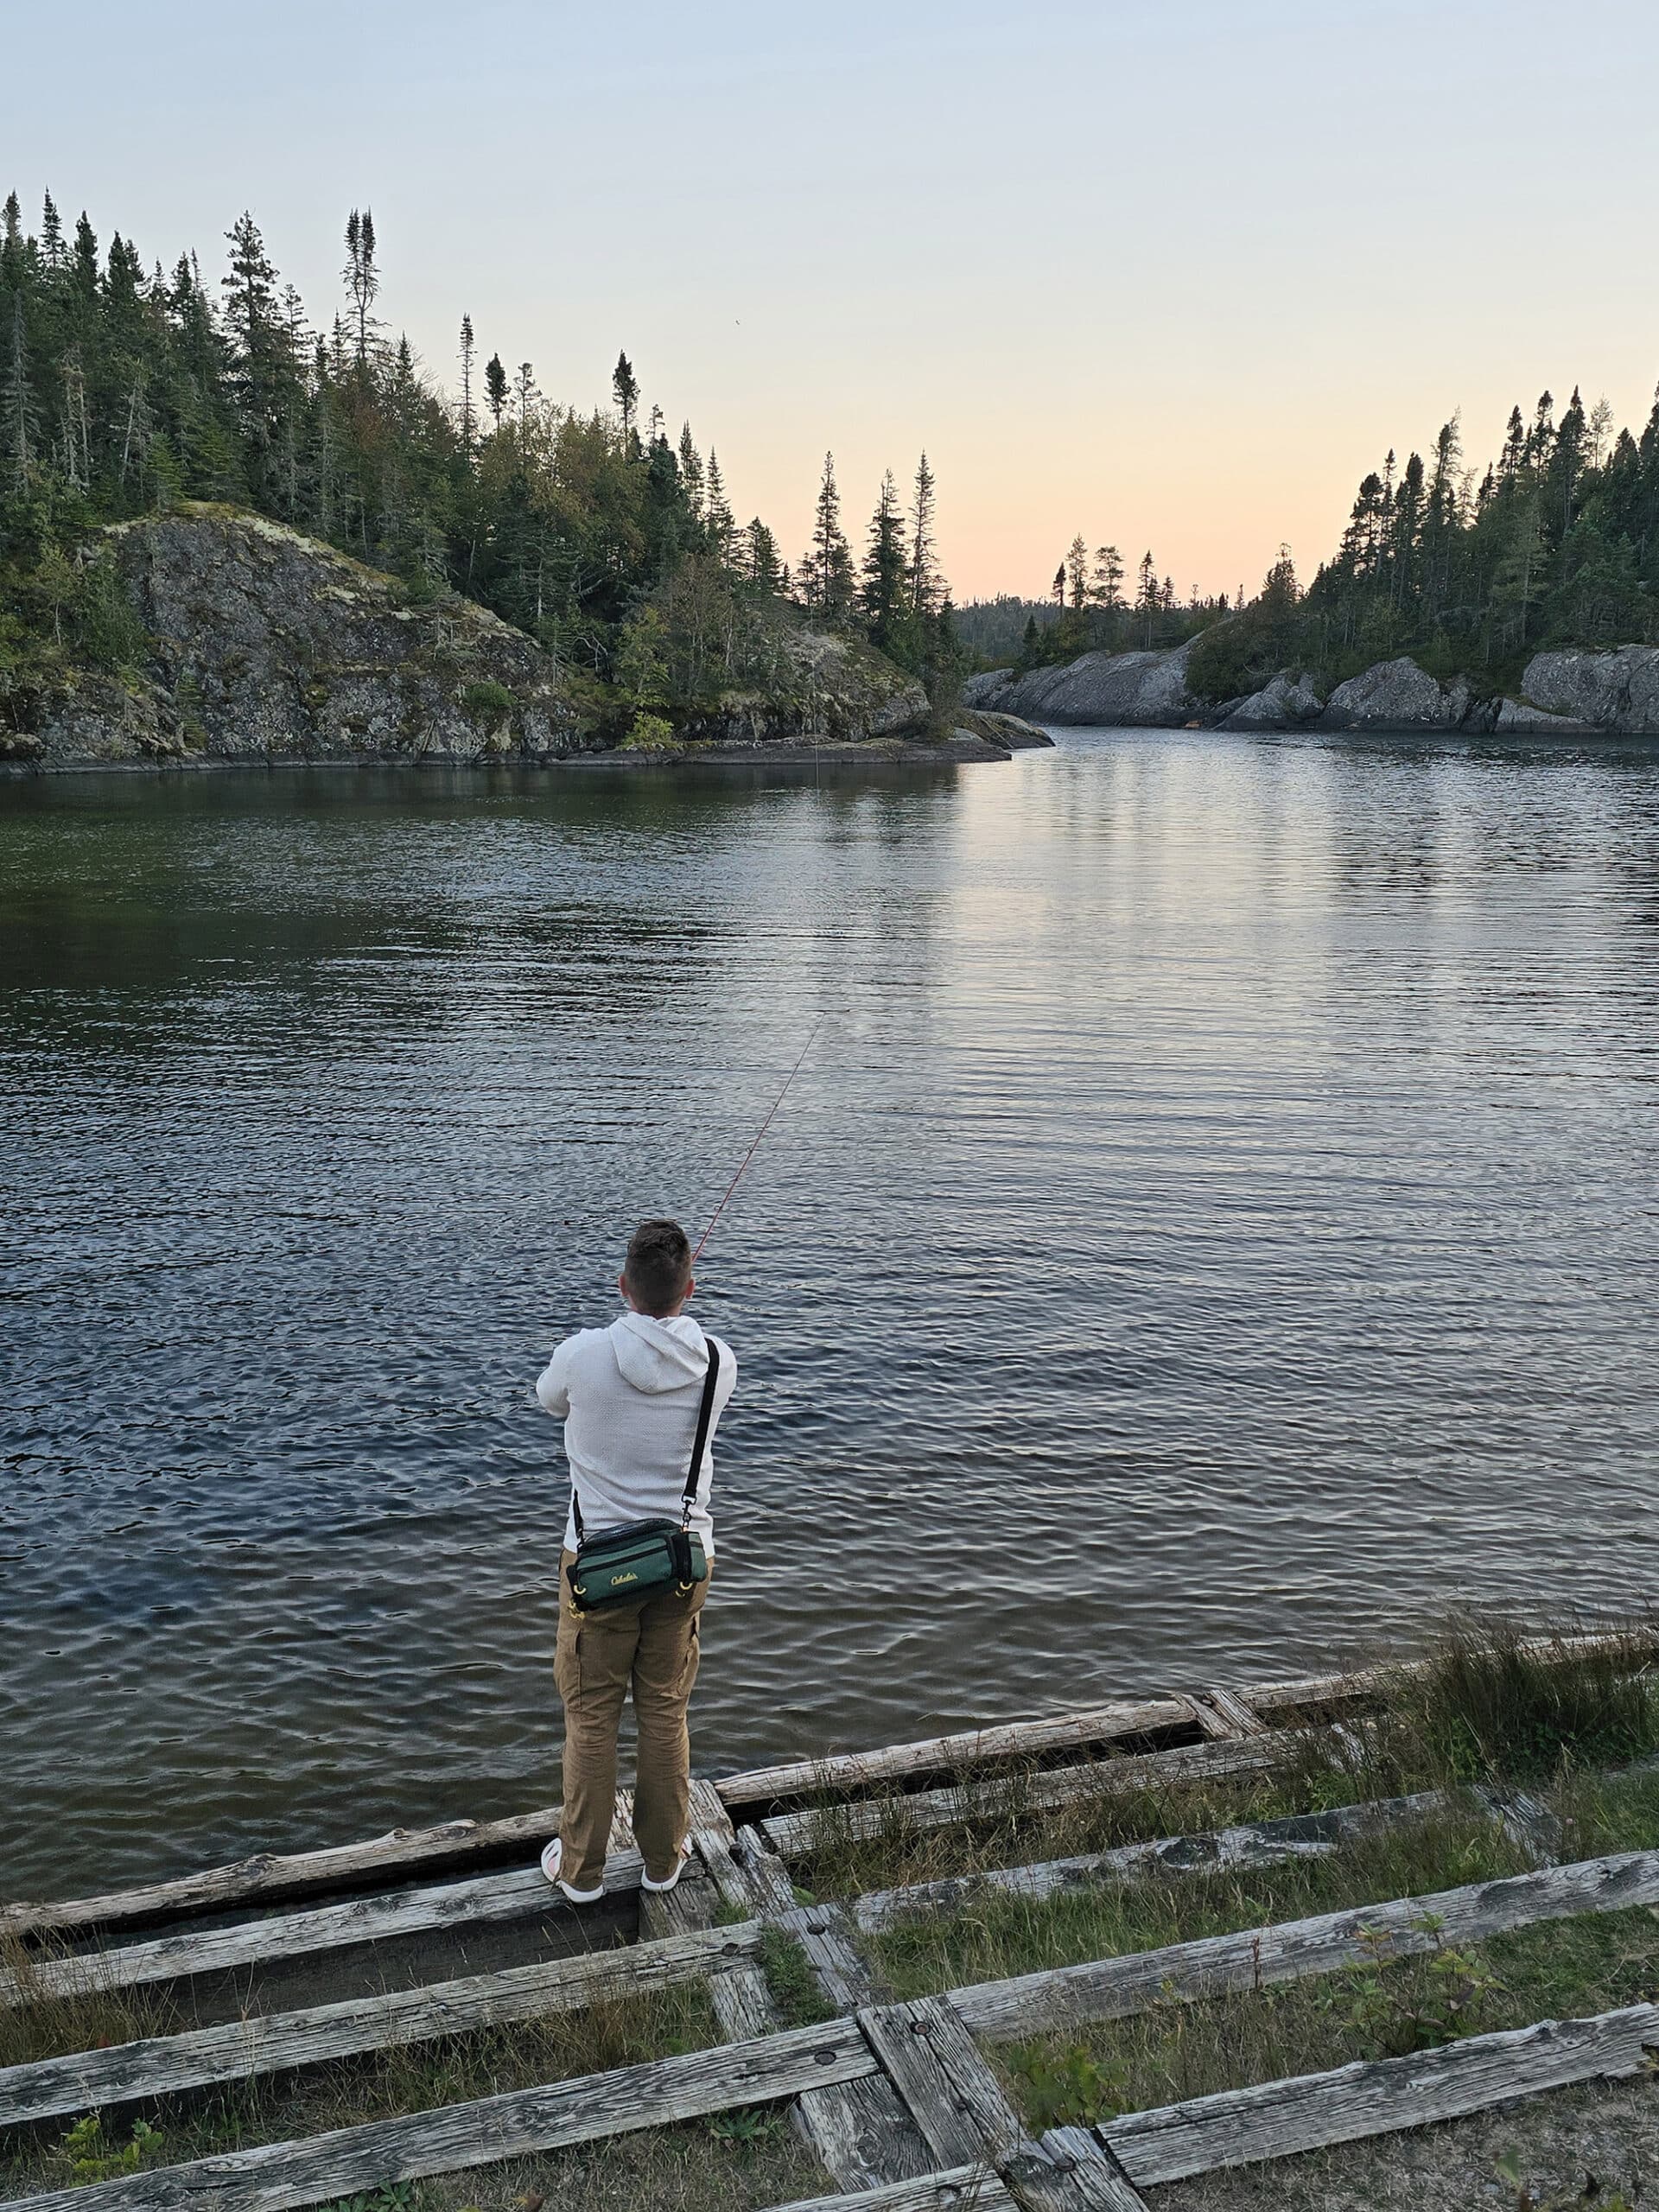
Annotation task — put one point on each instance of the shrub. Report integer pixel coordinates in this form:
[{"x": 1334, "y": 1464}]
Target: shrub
[{"x": 488, "y": 700}]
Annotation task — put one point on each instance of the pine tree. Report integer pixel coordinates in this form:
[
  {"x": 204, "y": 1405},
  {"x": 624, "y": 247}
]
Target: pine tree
[
  {"x": 1077, "y": 572},
  {"x": 1058, "y": 587},
  {"x": 1146, "y": 596},
  {"x": 884, "y": 587},
  {"x": 625, "y": 386},
  {"x": 54, "y": 254},
  {"x": 468, "y": 419},
  {"x": 495, "y": 386},
  {"x": 361, "y": 277},
  {"x": 1106, "y": 584},
  {"x": 719, "y": 520},
  {"x": 827, "y": 571},
  {"x": 760, "y": 562},
  {"x": 19, "y": 416},
  {"x": 925, "y": 585},
  {"x": 691, "y": 477},
  {"x": 524, "y": 392}
]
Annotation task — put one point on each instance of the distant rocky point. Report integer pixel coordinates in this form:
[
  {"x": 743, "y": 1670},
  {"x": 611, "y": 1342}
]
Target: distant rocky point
[
  {"x": 267, "y": 646},
  {"x": 1572, "y": 693}
]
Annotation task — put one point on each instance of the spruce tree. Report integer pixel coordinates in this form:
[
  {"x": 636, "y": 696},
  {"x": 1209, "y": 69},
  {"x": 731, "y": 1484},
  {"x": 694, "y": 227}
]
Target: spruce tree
[
  {"x": 625, "y": 387},
  {"x": 719, "y": 521},
  {"x": 883, "y": 585},
  {"x": 925, "y": 585},
  {"x": 828, "y": 568},
  {"x": 495, "y": 386},
  {"x": 361, "y": 277},
  {"x": 468, "y": 419},
  {"x": 20, "y": 415}
]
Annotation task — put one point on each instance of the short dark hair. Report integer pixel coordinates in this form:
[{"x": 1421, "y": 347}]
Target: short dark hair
[{"x": 659, "y": 1265}]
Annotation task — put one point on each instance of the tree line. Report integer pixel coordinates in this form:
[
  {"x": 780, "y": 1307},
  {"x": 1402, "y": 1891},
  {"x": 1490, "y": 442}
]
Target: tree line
[{"x": 124, "y": 389}]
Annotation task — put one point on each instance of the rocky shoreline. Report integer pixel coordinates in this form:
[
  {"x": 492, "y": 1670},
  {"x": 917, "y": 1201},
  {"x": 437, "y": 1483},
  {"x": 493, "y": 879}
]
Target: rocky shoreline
[
  {"x": 269, "y": 649},
  {"x": 1572, "y": 693}
]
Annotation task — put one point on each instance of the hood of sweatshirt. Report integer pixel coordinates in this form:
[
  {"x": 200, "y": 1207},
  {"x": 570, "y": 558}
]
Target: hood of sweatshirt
[{"x": 659, "y": 1354}]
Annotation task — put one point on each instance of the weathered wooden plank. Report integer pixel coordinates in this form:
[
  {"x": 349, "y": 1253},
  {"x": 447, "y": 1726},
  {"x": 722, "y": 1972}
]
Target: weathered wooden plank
[
  {"x": 1526, "y": 1821},
  {"x": 1012, "y": 1740},
  {"x": 275, "y": 2177},
  {"x": 922, "y": 2045},
  {"x": 510, "y": 1895},
  {"x": 1111, "y": 1989},
  {"x": 161, "y": 2065},
  {"x": 858, "y": 2131},
  {"x": 793, "y": 1834},
  {"x": 962, "y": 2189},
  {"x": 1099, "y": 2171},
  {"x": 959, "y": 2105},
  {"x": 1278, "y": 2119},
  {"x": 271, "y": 1878},
  {"x": 1252, "y": 1843},
  {"x": 824, "y": 1932},
  {"x": 1240, "y": 1718}
]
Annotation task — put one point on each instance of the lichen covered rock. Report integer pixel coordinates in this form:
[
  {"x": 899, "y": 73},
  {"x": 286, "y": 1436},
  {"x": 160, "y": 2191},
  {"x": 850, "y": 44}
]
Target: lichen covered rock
[
  {"x": 1129, "y": 690},
  {"x": 1397, "y": 694},
  {"x": 1287, "y": 702},
  {"x": 1613, "y": 690}
]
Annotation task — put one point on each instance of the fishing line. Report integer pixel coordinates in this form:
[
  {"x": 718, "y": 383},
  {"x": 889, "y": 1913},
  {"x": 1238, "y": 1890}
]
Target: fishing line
[{"x": 758, "y": 1133}]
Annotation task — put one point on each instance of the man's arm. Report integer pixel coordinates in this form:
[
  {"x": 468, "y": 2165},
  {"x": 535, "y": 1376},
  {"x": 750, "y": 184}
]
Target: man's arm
[{"x": 553, "y": 1383}]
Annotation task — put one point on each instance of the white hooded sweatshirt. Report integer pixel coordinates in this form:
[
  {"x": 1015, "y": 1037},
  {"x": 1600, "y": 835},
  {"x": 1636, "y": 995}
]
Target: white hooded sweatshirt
[{"x": 628, "y": 1397}]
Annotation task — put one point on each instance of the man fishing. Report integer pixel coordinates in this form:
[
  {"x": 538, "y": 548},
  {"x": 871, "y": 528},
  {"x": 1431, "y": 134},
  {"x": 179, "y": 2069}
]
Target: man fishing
[{"x": 640, "y": 1402}]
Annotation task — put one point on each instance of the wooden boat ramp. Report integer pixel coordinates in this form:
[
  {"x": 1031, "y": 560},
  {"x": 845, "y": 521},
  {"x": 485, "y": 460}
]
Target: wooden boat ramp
[{"x": 277, "y": 1965}]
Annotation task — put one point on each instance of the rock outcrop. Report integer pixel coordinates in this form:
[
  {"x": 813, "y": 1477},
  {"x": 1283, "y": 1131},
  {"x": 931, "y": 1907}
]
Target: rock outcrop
[
  {"x": 1289, "y": 703},
  {"x": 1131, "y": 690},
  {"x": 266, "y": 646},
  {"x": 1009, "y": 731},
  {"x": 1396, "y": 695},
  {"x": 818, "y": 689},
  {"x": 1617, "y": 689},
  {"x": 1515, "y": 716}
]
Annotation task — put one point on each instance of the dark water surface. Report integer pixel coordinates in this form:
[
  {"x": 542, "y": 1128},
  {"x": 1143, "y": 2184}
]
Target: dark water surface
[{"x": 1216, "y": 1221}]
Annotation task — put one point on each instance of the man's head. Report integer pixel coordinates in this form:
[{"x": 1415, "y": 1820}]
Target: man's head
[{"x": 656, "y": 1278}]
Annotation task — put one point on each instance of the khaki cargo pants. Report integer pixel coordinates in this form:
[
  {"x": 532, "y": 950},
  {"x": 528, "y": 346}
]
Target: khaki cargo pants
[{"x": 651, "y": 1647}]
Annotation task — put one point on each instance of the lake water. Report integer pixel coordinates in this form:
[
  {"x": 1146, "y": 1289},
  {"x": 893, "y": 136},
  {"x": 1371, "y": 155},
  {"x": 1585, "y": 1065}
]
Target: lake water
[{"x": 1215, "y": 1224}]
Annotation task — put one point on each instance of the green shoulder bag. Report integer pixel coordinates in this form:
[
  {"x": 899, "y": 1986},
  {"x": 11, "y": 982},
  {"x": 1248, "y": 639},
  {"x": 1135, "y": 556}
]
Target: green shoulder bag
[{"x": 646, "y": 1559}]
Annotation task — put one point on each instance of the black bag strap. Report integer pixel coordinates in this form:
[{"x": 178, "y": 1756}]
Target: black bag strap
[
  {"x": 705, "y": 1414},
  {"x": 693, "y": 1474}
]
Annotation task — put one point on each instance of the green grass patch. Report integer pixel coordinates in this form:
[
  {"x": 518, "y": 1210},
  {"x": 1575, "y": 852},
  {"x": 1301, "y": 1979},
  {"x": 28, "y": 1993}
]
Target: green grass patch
[
  {"x": 378, "y": 2085},
  {"x": 1383, "y": 2007},
  {"x": 996, "y": 1936},
  {"x": 791, "y": 1981}
]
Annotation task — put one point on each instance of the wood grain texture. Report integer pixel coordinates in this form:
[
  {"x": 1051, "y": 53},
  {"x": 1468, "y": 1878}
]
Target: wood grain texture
[
  {"x": 510, "y": 1895},
  {"x": 960, "y": 2108},
  {"x": 1011, "y": 1741},
  {"x": 857, "y": 2131},
  {"x": 1280, "y": 2117},
  {"x": 268, "y": 1878},
  {"x": 243, "y": 2048},
  {"x": 279, "y": 2176},
  {"x": 1099, "y": 2171},
  {"x": 1110, "y": 1989},
  {"x": 792, "y": 1834},
  {"x": 963, "y": 2189}
]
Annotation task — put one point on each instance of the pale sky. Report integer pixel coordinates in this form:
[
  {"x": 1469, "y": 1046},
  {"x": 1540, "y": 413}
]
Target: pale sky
[{"x": 1173, "y": 278}]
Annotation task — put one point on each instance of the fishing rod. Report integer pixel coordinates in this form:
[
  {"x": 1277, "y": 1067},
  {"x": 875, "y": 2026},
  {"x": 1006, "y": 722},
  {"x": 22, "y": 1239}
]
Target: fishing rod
[{"x": 758, "y": 1133}]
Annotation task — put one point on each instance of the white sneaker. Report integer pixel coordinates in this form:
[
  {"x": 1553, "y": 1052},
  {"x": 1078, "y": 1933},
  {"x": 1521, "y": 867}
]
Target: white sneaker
[
  {"x": 553, "y": 1857},
  {"x": 645, "y": 1881}
]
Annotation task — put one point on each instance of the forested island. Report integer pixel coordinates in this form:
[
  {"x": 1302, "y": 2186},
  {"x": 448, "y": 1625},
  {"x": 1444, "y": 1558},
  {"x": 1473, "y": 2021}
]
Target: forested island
[{"x": 178, "y": 454}]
